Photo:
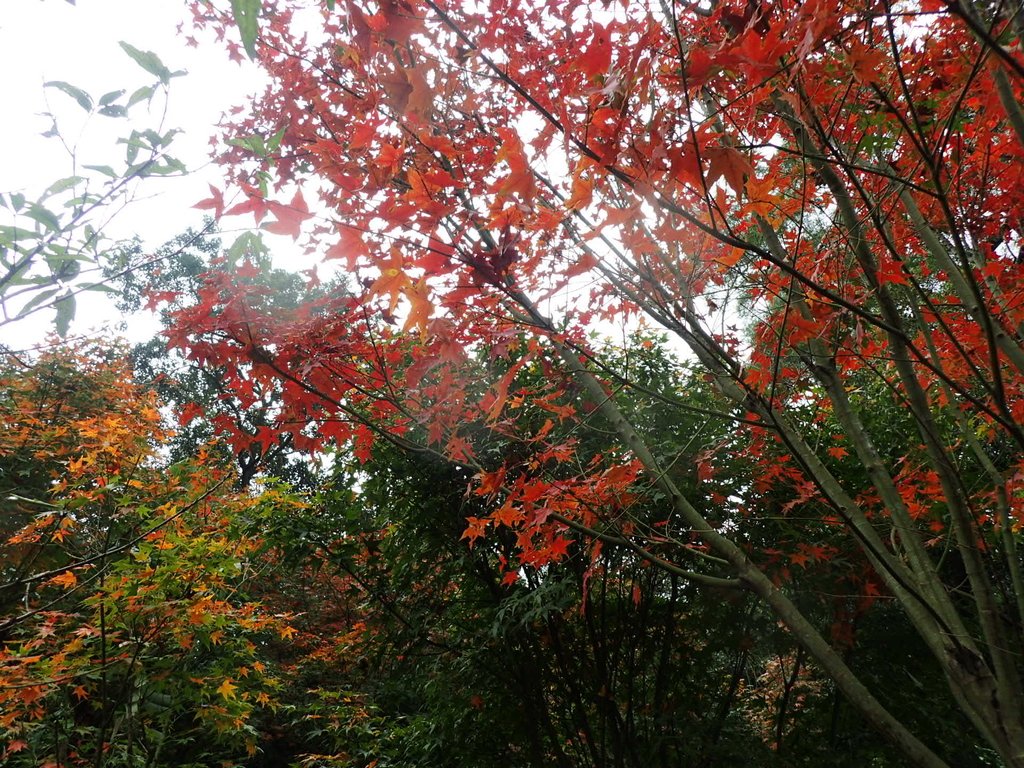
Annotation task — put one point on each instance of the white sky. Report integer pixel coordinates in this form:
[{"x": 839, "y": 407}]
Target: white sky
[{"x": 42, "y": 40}]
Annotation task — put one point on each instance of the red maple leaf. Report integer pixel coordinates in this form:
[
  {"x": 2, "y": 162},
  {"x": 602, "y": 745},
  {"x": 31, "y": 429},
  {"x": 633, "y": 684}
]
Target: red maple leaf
[{"x": 289, "y": 217}]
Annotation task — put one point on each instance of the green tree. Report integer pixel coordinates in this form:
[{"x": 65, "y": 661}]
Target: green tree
[{"x": 53, "y": 245}]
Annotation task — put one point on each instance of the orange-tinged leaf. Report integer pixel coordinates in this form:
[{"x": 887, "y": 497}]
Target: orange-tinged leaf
[
  {"x": 421, "y": 96},
  {"x": 66, "y": 579},
  {"x": 864, "y": 62},
  {"x": 490, "y": 482},
  {"x": 730, "y": 164},
  {"x": 420, "y": 308},
  {"x": 494, "y": 403},
  {"x": 582, "y": 193},
  {"x": 476, "y": 527},
  {"x": 582, "y": 265},
  {"x": 31, "y": 693},
  {"x": 393, "y": 281},
  {"x": 507, "y": 515},
  {"x": 520, "y": 179},
  {"x": 731, "y": 256},
  {"x": 227, "y": 689}
]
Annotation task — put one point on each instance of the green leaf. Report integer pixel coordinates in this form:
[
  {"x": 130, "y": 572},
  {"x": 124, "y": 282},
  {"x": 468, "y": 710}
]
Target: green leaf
[
  {"x": 109, "y": 98},
  {"x": 254, "y": 144},
  {"x": 81, "y": 201},
  {"x": 18, "y": 276},
  {"x": 274, "y": 143},
  {"x": 140, "y": 170},
  {"x": 106, "y": 170},
  {"x": 9, "y": 236},
  {"x": 17, "y": 201},
  {"x": 84, "y": 99},
  {"x": 65, "y": 313},
  {"x": 247, "y": 14},
  {"x": 248, "y": 245},
  {"x": 162, "y": 169},
  {"x": 102, "y": 288},
  {"x": 174, "y": 164},
  {"x": 113, "y": 110},
  {"x": 63, "y": 185},
  {"x": 38, "y": 299},
  {"x": 64, "y": 269},
  {"x": 132, "y": 146},
  {"x": 145, "y": 92},
  {"x": 149, "y": 61},
  {"x": 41, "y": 215}
]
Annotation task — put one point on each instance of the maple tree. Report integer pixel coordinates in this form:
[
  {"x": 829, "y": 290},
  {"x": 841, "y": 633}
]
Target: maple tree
[
  {"x": 127, "y": 634},
  {"x": 170, "y": 278},
  {"x": 820, "y": 200}
]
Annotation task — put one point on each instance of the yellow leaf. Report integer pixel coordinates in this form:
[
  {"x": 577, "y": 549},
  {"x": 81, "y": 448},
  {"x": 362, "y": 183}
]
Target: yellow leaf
[{"x": 227, "y": 689}]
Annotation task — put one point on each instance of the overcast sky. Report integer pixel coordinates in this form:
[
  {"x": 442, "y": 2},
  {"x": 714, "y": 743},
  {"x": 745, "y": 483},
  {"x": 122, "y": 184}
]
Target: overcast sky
[{"x": 43, "y": 40}]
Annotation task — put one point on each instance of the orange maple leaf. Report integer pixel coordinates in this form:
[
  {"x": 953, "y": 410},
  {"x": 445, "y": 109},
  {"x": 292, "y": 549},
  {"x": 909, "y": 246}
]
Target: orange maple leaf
[
  {"x": 420, "y": 308},
  {"x": 476, "y": 527},
  {"x": 728, "y": 163},
  {"x": 507, "y": 515},
  {"x": 392, "y": 281},
  {"x": 66, "y": 579}
]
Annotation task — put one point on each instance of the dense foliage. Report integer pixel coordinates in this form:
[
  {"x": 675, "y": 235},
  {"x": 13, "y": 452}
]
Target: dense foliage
[{"x": 666, "y": 408}]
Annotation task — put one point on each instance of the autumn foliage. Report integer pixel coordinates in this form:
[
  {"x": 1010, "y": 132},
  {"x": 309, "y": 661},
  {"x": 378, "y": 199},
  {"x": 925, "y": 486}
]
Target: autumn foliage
[
  {"x": 822, "y": 201},
  {"x": 125, "y": 624}
]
